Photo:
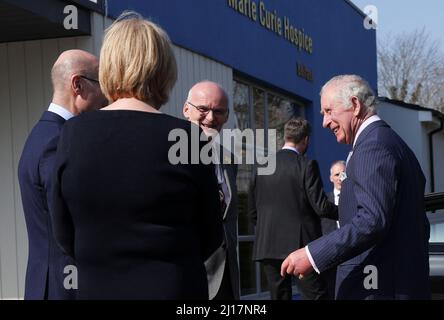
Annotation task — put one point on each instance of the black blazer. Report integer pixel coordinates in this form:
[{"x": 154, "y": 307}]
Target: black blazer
[
  {"x": 44, "y": 272},
  {"x": 227, "y": 255},
  {"x": 287, "y": 206},
  {"x": 138, "y": 226}
]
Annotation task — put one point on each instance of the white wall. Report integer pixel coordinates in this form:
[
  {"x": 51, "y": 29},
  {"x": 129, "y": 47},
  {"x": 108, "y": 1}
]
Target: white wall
[
  {"x": 438, "y": 160},
  {"x": 405, "y": 122},
  {"x": 437, "y": 218},
  {"x": 25, "y": 92},
  {"x": 415, "y": 133}
]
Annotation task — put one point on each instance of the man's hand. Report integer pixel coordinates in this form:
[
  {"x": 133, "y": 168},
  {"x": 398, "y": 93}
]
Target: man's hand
[{"x": 297, "y": 263}]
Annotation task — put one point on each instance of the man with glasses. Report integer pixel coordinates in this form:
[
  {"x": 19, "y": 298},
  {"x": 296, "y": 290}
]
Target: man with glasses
[
  {"x": 76, "y": 90},
  {"x": 207, "y": 106},
  {"x": 337, "y": 175}
]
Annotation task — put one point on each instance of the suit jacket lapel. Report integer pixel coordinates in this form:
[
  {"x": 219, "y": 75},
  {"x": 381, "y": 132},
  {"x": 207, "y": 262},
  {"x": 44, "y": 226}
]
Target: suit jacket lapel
[{"x": 228, "y": 184}]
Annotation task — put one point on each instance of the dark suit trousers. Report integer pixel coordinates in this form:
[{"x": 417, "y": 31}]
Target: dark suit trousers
[
  {"x": 311, "y": 287},
  {"x": 329, "y": 277},
  {"x": 225, "y": 290}
]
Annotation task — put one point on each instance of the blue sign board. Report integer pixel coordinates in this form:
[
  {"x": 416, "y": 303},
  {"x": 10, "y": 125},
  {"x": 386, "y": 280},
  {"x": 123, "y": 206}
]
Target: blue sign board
[{"x": 293, "y": 45}]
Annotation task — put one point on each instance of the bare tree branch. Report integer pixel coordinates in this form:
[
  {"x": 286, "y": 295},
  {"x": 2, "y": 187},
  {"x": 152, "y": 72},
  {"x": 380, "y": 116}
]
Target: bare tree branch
[{"x": 411, "y": 69}]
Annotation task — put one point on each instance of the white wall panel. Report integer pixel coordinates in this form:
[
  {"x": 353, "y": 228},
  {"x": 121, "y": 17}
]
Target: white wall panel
[
  {"x": 25, "y": 92},
  {"x": 8, "y": 256}
]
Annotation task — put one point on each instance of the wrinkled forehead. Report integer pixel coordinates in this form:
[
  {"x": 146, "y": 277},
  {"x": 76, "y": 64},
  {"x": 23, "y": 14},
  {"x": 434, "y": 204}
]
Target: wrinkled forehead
[
  {"x": 338, "y": 168},
  {"x": 210, "y": 97}
]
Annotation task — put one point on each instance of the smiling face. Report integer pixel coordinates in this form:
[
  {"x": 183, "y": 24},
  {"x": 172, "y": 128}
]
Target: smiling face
[
  {"x": 340, "y": 121},
  {"x": 207, "y": 105},
  {"x": 335, "y": 176}
]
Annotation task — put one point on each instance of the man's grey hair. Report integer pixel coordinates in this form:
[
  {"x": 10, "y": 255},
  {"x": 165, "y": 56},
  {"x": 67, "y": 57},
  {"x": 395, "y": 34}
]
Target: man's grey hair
[
  {"x": 336, "y": 163},
  {"x": 349, "y": 85}
]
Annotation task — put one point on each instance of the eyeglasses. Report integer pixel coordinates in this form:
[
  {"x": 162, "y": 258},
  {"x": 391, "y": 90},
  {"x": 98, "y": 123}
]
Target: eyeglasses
[
  {"x": 93, "y": 80},
  {"x": 204, "y": 110}
]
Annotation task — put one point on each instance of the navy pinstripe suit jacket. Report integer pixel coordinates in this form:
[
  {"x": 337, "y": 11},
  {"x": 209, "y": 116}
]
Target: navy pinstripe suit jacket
[
  {"x": 44, "y": 273},
  {"x": 383, "y": 222}
]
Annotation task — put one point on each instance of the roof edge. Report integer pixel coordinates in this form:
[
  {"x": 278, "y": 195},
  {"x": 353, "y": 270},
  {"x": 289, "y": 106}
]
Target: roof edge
[
  {"x": 411, "y": 106},
  {"x": 356, "y": 8}
]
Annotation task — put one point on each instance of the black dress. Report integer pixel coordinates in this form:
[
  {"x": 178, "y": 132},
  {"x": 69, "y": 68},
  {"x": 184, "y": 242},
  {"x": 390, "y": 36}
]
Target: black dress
[{"x": 137, "y": 226}]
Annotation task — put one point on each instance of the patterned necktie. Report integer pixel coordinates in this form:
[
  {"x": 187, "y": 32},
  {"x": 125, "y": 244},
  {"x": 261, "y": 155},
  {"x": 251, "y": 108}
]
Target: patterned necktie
[
  {"x": 337, "y": 221},
  {"x": 223, "y": 205},
  {"x": 348, "y": 157}
]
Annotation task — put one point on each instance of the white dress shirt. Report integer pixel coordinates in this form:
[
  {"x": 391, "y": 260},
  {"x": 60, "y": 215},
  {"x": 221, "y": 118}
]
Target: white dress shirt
[
  {"x": 59, "y": 110},
  {"x": 290, "y": 148},
  {"x": 364, "y": 125},
  {"x": 336, "y": 193}
]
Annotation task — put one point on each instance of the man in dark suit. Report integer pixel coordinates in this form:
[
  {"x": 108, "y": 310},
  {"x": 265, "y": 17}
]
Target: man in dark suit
[
  {"x": 207, "y": 106},
  {"x": 337, "y": 171},
  {"x": 381, "y": 248},
  {"x": 337, "y": 174},
  {"x": 76, "y": 89},
  {"x": 286, "y": 208}
]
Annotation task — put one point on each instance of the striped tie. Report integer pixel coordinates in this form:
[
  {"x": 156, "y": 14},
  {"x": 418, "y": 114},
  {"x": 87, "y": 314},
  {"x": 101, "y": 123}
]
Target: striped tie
[{"x": 348, "y": 157}]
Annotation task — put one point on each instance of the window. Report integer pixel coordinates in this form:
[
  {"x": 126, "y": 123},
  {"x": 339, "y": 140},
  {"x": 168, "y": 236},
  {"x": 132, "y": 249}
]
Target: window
[{"x": 256, "y": 107}]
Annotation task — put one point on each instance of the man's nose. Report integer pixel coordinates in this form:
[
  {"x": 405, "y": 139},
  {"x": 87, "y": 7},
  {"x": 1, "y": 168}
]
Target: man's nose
[
  {"x": 210, "y": 115},
  {"x": 326, "y": 121}
]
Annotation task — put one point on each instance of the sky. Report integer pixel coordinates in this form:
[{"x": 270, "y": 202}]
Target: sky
[{"x": 399, "y": 16}]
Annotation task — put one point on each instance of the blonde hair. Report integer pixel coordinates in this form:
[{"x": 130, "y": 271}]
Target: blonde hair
[{"x": 136, "y": 60}]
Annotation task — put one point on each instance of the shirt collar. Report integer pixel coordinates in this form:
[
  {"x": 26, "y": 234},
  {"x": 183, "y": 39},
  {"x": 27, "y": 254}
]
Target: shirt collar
[
  {"x": 61, "y": 111},
  {"x": 336, "y": 192},
  {"x": 290, "y": 148},
  {"x": 364, "y": 125}
]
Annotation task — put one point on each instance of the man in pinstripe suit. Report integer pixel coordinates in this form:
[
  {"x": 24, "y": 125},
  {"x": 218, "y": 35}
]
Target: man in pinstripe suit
[{"x": 381, "y": 249}]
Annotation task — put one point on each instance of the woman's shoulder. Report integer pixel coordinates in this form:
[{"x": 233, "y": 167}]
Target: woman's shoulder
[
  {"x": 99, "y": 115},
  {"x": 95, "y": 120}
]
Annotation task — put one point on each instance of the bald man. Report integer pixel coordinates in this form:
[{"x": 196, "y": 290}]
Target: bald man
[
  {"x": 207, "y": 106},
  {"x": 76, "y": 90}
]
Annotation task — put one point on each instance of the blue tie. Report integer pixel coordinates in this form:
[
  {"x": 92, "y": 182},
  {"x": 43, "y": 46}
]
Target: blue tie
[{"x": 348, "y": 157}]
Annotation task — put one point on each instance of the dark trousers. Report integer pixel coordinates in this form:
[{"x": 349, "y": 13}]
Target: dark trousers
[
  {"x": 225, "y": 290},
  {"x": 311, "y": 287},
  {"x": 330, "y": 279}
]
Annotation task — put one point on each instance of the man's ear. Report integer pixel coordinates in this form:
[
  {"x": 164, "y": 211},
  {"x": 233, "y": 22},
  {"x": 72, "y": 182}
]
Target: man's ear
[
  {"x": 186, "y": 111},
  {"x": 356, "y": 105},
  {"x": 227, "y": 115},
  {"x": 76, "y": 84}
]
